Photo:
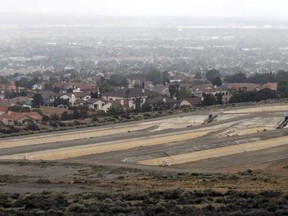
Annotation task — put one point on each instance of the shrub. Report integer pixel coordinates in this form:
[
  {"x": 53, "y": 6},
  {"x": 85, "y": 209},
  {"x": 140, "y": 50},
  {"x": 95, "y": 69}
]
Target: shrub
[
  {"x": 33, "y": 127},
  {"x": 45, "y": 118},
  {"x": 76, "y": 207}
]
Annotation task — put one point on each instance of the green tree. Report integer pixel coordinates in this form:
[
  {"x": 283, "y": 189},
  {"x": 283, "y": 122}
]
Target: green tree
[
  {"x": 217, "y": 82},
  {"x": 103, "y": 85},
  {"x": 37, "y": 100},
  {"x": 4, "y": 80},
  {"x": 173, "y": 90},
  {"x": 146, "y": 107},
  {"x": 56, "y": 89},
  {"x": 10, "y": 94},
  {"x": 45, "y": 118},
  {"x": 118, "y": 80},
  {"x": 19, "y": 109},
  {"x": 198, "y": 75},
  {"x": 154, "y": 75},
  {"x": 165, "y": 77},
  {"x": 48, "y": 86},
  {"x": 115, "y": 110},
  {"x": 76, "y": 114},
  {"x": 236, "y": 78},
  {"x": 212, "y": 74},
  {"x": 219, "y": 98},
  {"x": 54, "y": 117},
  {"x": 184, "y": 93},
  {"x": 208, "y": 100},
  {"x": 65, "y": 116},
  {"x": 283, "y": 88},
  {"x": 59, "y": 101}
]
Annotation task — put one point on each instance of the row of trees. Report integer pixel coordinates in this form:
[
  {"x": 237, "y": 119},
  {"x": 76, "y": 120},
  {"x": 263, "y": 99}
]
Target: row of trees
[
  {"x": 253, "y": 96},
  {"x": 257, "y": 78}
]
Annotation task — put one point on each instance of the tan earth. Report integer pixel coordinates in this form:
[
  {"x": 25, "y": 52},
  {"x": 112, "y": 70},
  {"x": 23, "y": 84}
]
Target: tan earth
[
  {"x": 260, "y": 109},
  {"x": 63, "y": 153},
  {"x": 217, "y": 152},
  {"x": 174, "y": 141}
]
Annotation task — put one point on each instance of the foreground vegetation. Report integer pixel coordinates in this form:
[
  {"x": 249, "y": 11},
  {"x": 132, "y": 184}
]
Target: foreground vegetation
[
  {"x": 162, "y": 202},
  {"x": 97, "y": 190}
]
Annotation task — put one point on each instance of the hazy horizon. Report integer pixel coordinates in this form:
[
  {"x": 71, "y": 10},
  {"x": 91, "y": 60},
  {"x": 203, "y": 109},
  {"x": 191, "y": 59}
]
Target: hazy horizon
[{"x": 183, "y": 8}]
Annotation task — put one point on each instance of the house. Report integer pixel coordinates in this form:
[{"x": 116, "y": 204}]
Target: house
[
  {"x": 199, "y": 90},
  {"x": 191, "y": 102},
  {"x": 75, "y": 87},
  {"x": 63, "y": 87},
  {"x": 10, "y": 87},
  {"x": 48, "y": 96},
  {"x": 271, "y": 86},
  {"x": 80, "y": 102},
  {"x": 37, "y": 87},
  {"x": 72, "y": 97},
  {"x": 14, "y": 87},
  {"x": 162, "y": 102},
  {"x": 3, "y": 87},
  {"x": 12, "y": 118},
  {"x": 84, "y": 87},
  {"x": 160, "y": 88},
  {"x": 99, "y": 104},
  {"x": 134, "y": 96},
  {"x": 26, "y": 101},
  {"x": 3, "y": 109}
]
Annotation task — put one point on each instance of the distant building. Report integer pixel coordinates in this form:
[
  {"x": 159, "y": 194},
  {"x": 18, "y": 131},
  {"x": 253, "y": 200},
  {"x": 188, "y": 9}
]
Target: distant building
[
  {"x": 134, "y": 96},
  {"x": 12, "y": 118},
  {"x": 99, "y": 104},
  {"x": 191, "y": 102}
]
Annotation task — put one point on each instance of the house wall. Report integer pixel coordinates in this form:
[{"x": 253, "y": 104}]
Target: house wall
[
  {"x": 106, "y": 107},
  {"x": 185, "y": 103},
  {"x": 86, "y": 98},
  {"x": 65, "y": 97},
  {"x": 131, "y": 103}
]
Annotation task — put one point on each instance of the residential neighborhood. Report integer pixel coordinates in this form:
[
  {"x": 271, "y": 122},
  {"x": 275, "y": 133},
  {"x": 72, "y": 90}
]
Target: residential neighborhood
[{"x": 60, "y": 97}]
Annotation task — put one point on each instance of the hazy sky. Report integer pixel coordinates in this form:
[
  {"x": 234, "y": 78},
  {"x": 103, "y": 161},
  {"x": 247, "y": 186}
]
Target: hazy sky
[{"x": 204, "y": 8}]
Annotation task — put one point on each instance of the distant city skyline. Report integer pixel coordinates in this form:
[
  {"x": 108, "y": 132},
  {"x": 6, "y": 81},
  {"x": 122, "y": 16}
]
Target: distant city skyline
[{"x": 194, "y": 8}]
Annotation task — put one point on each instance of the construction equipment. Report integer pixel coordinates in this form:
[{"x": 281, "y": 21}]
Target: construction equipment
[
  {"x": 283, "y": 123},
  {"x": 211, "y": 118}
]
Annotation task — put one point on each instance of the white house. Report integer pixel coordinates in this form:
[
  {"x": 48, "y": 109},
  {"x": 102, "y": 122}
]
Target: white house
[
  {"x": 99, "y": 104},
  {"x": 37, "y": 87},
  {"x": 132, "y": 95},
  {"x": 72, "y": 97}
]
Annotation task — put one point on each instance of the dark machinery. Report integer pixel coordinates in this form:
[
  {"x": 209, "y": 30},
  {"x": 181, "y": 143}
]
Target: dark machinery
[{"x": 283, "y": 123}]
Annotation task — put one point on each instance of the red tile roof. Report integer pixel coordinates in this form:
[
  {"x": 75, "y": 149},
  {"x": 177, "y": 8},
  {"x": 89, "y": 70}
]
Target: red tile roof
[
  {"x": 194, "y": 101},
  {"x": 4, "y": 109},
  {"x": 15, "y": 116}
]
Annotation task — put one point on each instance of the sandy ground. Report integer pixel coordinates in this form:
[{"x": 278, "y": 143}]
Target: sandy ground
[
  {"x": 187, "y": 121},
  {"x": 174, "y": 141},
  {"x": 217, "y": 152},
  {"x": 68, "y": 136},
  {"x": 252, "y": 126},
  {"x": 260, "y": 109},
  {"x": 63, "y": 153},
  {"x": 157, "y": 125}
]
